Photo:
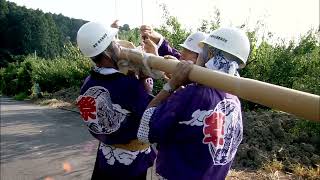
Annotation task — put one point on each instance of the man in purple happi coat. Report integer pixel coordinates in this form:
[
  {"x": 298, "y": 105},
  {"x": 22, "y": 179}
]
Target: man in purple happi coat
[
  {"x": 198, "y": 129},
  {"x": 111, "y": 105}
]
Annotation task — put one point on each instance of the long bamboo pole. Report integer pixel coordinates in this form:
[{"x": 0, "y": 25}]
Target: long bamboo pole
[{"x": 299, "y": 103}]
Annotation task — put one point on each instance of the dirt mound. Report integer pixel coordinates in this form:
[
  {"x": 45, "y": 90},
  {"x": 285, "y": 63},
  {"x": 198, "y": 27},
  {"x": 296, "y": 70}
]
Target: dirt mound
[
  {"x": 65, "y": 99},
  {"x": 69, "y": 94},
  {"x": 276, "y": 136}
]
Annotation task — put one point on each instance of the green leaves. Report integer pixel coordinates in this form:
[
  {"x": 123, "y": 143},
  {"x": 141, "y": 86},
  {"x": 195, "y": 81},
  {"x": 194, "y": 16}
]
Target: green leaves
[
  {"x": 26, "y": 31},
  {"x": 173, "y": 31},
  {"x": 132, "y": 35},
  {"x": 293, "y": 66},
  {"x": 65, "y": 71}
]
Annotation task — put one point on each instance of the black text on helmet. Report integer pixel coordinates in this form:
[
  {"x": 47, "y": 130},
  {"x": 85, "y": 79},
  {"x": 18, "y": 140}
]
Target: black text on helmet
[
  {"x": 219, "y": 38},
  {"x": 100, "y": 40}
]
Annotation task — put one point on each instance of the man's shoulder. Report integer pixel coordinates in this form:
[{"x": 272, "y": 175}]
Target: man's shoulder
[
  {"x": 98, "y": 76},
  {"x": 96, "y": 79},
  {"x": 197, "y": 89},
  {"x": 205, "y": 93}
]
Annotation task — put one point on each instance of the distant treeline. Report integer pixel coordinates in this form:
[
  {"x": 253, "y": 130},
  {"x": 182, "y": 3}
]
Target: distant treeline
[{"x": 25, "y": 31}]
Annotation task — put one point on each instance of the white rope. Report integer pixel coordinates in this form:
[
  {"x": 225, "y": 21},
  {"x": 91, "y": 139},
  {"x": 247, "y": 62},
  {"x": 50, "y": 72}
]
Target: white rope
[{"x": 146, "y": 56}]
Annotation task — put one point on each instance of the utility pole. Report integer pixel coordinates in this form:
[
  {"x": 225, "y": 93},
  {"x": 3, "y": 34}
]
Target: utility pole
[
  {"x": 141, "y": 12},
  {"x": 116, "y": 14},
  {"x": 115, "y": 10}
]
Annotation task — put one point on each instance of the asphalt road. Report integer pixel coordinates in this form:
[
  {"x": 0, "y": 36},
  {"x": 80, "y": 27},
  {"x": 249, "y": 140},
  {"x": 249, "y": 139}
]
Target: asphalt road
[{"x": 41, "y": 143}]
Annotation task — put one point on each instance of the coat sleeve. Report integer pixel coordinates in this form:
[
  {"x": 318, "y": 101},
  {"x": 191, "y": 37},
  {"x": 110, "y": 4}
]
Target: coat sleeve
[
  {"x": 166, "y": 49},
  {"x": 158, "y": 123}
]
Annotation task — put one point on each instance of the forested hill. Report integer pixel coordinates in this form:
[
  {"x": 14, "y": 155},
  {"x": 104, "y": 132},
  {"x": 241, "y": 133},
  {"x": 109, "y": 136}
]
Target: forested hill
[{"x": 25, "y": 31}]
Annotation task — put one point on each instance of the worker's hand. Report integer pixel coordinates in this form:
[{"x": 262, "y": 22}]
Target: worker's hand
[
  {"x": 167, "y": 76},
  {"x": 147, "y": 32},
  {"x": 150, "y": 47},
  {"x": 180, "y": 74},
  {"x": 115, "y": 24},
  {"x": 148, "y": 85}
]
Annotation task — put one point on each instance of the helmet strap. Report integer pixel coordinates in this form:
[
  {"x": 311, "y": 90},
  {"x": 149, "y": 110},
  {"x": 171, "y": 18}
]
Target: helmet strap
[
  {"x": 111, "y": 55},
  {"x": 208, "y": 53}
]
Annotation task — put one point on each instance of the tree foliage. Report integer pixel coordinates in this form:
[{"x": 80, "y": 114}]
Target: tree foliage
[
  {"x": 65, "y": 71},
  {"x": 25, "y": 31}
]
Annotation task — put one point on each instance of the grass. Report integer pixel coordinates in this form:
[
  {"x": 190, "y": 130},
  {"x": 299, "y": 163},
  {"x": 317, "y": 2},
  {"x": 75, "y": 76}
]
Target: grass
[
  {"x": 21, "y": 96},
  {"x": 54, "y": 103},
  {"x": 305, "y": 172},
  {"x": 298, "y": 171},
  {"x": 273, "y": 166}
]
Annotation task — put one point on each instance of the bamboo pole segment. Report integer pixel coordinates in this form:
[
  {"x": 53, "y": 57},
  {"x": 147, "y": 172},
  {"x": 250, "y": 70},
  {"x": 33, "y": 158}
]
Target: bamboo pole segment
[{"x": 299, "y": 103}]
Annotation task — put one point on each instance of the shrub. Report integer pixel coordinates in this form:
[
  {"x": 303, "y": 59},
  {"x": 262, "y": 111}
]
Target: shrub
[{"x": 21, "y": 96}]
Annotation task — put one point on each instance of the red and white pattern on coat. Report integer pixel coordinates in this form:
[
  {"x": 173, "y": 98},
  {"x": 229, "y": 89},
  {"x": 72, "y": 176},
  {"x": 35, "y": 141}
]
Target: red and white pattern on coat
[
  {"x": 98, "y": 111},
  {"x": 222, "y": 129},
  {"x": 122, "y": 156},
  {"x": 213, "y": 130},
  {"x": 87, "y": 107}
]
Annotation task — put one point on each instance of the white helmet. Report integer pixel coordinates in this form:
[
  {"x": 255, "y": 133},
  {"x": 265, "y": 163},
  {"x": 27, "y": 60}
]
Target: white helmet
[
  {"x": 93, "y": 38},
  {"x": 193, "y": 40},
  {"x": 231, "y": 40}
]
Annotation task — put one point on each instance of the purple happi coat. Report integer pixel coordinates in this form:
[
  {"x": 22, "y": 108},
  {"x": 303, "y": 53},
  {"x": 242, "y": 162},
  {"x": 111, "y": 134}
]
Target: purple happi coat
[
  {"x": 197, "y": 130},
  {"x": 111, "y": 105},
  {"x": 165, "y": 49}
]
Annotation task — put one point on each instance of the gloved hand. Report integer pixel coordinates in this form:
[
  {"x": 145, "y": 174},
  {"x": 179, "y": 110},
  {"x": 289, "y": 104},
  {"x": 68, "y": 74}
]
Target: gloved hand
[
  {"x": 115, "y": 24},
  {"x": 149, "y": 46},
  {"x": 148, "y": 85},
  {"x": 167, "y": 76},
  {"x": 180, "y": 74},
  {"x": 147, "y": 32}
]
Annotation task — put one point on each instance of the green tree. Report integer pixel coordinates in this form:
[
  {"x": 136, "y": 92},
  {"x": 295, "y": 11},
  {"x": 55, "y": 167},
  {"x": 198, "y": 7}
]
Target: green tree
[
  {"x": 172, "y": 30},
  {"x": 125, "y": 27},
  {"x": 25, "y": 31}
]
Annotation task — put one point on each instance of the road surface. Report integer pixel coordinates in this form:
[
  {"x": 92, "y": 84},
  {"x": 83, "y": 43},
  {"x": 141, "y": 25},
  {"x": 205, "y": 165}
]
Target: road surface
[{"x": 41, "y": 143}]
